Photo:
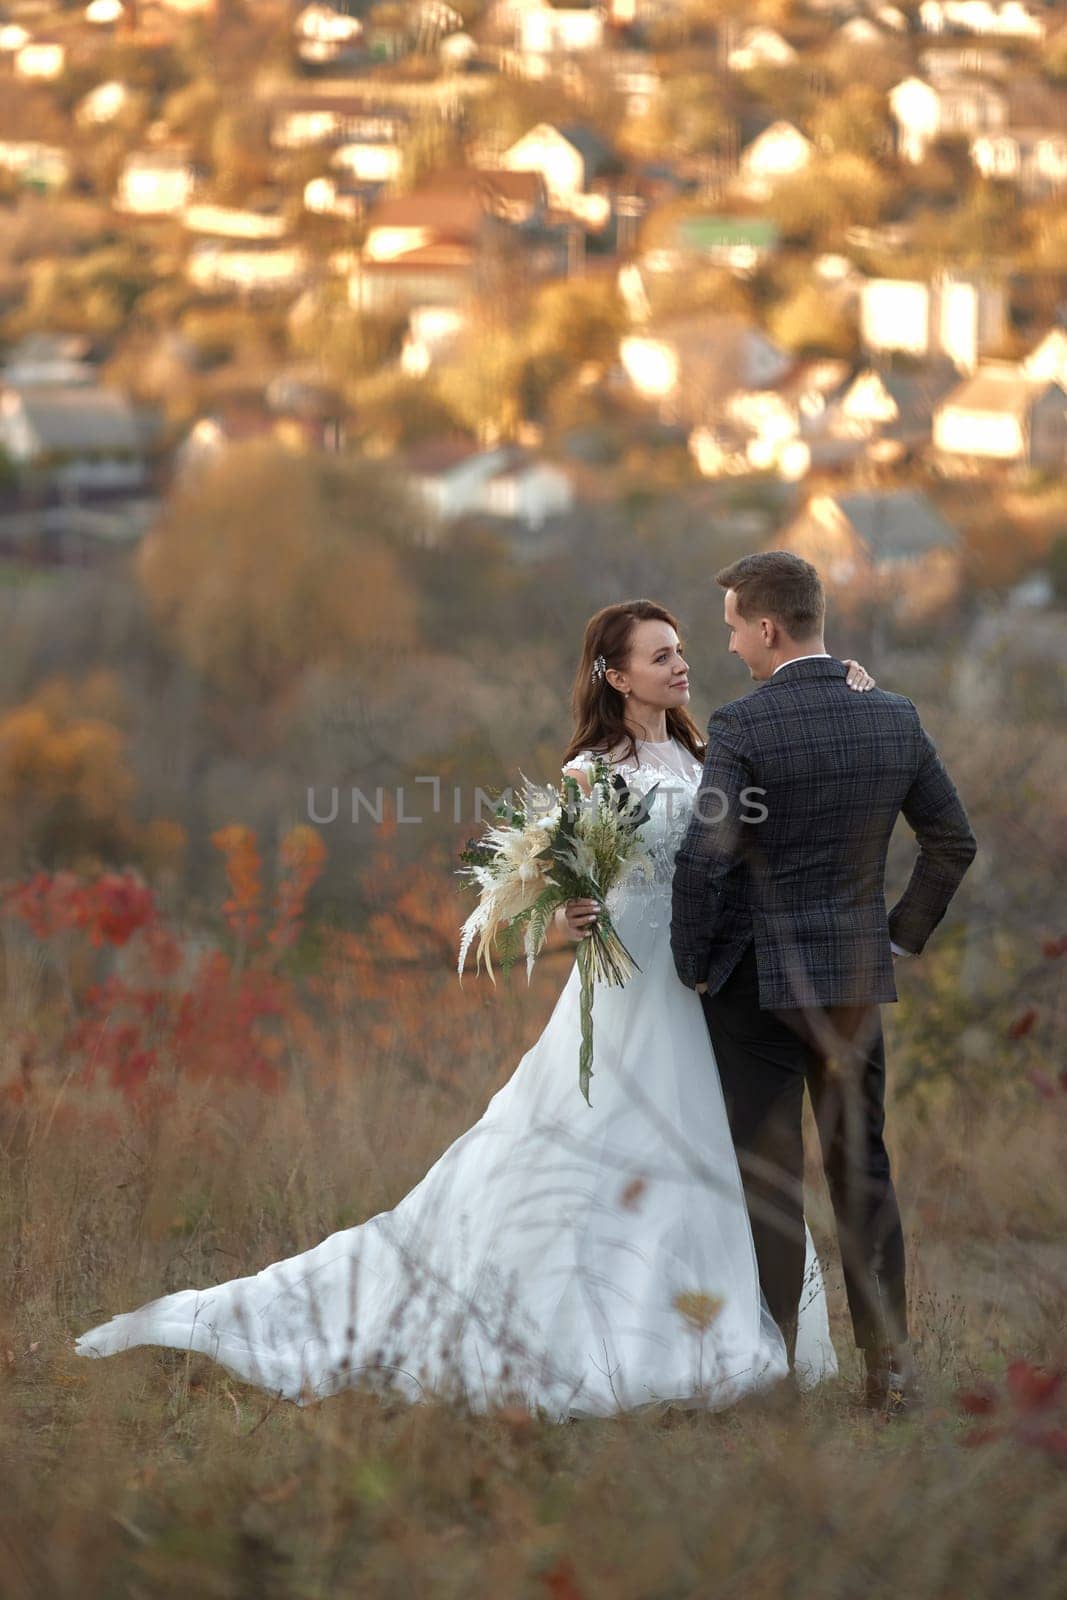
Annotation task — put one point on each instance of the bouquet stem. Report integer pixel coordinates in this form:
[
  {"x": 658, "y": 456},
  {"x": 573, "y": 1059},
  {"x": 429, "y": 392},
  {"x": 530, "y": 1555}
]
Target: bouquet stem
[{"x": 601, "y": 956}]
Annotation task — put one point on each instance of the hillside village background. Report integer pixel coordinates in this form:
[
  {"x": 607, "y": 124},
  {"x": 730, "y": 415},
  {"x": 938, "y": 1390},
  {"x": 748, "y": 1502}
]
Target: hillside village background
[{"x": 352, "y": 355}]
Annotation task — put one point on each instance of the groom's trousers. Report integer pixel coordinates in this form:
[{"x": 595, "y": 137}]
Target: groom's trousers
[{"x": 765, "y": 1058}]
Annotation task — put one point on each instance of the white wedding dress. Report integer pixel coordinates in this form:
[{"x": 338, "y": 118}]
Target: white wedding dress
[{"x": 574, "y": 1259}]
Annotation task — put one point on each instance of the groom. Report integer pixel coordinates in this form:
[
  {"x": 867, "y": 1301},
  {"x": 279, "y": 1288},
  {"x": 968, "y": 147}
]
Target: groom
[{"x": 780, "y": 925}]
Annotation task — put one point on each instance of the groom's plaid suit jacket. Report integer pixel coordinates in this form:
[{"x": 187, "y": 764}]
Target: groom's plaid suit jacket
[{"x": 806, "y": 884}]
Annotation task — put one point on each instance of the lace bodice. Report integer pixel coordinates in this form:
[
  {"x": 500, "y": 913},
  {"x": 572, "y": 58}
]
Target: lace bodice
[{"x": 677, "y": 773}]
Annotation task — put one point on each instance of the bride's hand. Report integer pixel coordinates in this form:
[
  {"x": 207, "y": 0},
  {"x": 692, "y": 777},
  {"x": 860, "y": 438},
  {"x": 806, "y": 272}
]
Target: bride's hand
[
  {"x": 858, "y": 677},
  {"x": 576, "y": 918}
]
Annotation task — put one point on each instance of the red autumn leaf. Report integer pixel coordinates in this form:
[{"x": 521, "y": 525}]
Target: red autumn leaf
[
  {"x": 1032, "y": 1388},
  {"x": 978, "y": 1402},
  {"x": 561, "y": 1581},
  {"x": 1023, "y": 1024},
  {"x": 1052, "y": 949}
]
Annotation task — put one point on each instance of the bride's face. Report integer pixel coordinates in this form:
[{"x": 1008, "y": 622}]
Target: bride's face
[{"x": 657, "y": 673}]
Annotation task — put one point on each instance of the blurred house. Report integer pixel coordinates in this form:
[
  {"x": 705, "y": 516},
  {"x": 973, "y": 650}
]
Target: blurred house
[
  {"x": 955, "y": 60},
  {"x": 544, "y": 33},
  {"x": 434, "y": 334},
  {"x": 1007, "y": 19},
  {"x": 284, "y": 416},
  {"x": 741, "y": 242},
  {"x": 961, "y": 318},
  {"x": 456, "y": 479},
  {"x": 102, "y": 104},
  {"x": 338, "y": 196},
  {"x": 780, "y": 151},
  {"x": 760, "y": 47},
  {"x": 104, "y": 13},
  {"x": 893, "y": 408},
  {"x": 1001, "y": 414},
  {"x": 305, "y": 118},
  {"x": 434, "y": 246},
  {"x": 1048, "y": 358},
  {"x": 42, "y": 167},
  {"x": 48, "y": 358},
  {"x": 157, "y": 183},
  {"x": 889, "y": 548},
  {"x": 950, "y": 107},
  {"x": 248, "y": 268},
  {"x": 568, "y": 159},
  {"x": 1033, "y": 158},
  {"x": 41, "y": 60},
  {"x": 236, "y": 222},
  {"x": 76, "y": 436},
  {"x": 786, "y": 425},
  {"x": 528, "y": 490},
  {"x": 692, "y": 364},
  {"x": 635, "y": 76},
  {"x": 323, "y": 35},
  {"x": 862, "y": 34}
]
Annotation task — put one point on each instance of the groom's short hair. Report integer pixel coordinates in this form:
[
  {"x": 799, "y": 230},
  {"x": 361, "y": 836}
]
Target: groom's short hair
[{"x": 778, "y": 584}]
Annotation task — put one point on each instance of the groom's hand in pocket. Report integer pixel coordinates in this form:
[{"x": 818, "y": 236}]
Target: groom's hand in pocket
[{"x": 577, "y": 917}]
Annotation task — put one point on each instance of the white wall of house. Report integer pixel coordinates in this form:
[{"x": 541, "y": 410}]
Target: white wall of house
[
  {"x": 41, "y": 60},
  {"x": 386, "y": 244},
  {"x": 212, "y": 266},
  {"x": 955, "y": 317},
  {"x": 546, "y": 151},
  {"x": 17, "y": 438},
  {"x": 370, "y": 162},
  {"x": 150, "y": 189},
  {"x": 924, "y": 113},
  {"x": 531, "y": 494},
  {"x": 778, "y": 152},
  {"x": 544, "y": 31},
  {"x": 996, "y": 436},
  {"x": 895, "y": 315},
  {"x": 1010, "y": 19},
  {"x": 459, "y": 490}
]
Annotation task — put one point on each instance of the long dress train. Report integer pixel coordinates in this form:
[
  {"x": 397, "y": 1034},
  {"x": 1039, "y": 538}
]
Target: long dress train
[{"x": 579, "y": 1260}]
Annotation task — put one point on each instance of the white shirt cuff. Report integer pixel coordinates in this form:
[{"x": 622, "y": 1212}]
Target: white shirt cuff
[{"x": 897, "y": 951}]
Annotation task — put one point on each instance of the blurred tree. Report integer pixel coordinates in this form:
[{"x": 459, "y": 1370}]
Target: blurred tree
[
  {"x": 484, "y": 387},
  {"x": 854, "y": 122},
  {"x": 190, "y": 113},
  {"x": 573, "y": 321},
  {"x": 65, "y": 787},
  {"x": 989, "y": 225},
  {"x": 810, "y": 322},
  {"x": 831, "y": 193},
  {"x": 433, "y": 144},
  {"x": 240, "y": 152},
  {"x": 394, "y": 411},
  {"x": 686, "y": 118},
  {"x": 267, "y": 563}
]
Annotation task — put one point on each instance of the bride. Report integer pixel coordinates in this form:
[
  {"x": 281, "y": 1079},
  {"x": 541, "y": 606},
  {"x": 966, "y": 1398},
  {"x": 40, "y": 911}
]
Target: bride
[{"x": 581, "y": 1261}]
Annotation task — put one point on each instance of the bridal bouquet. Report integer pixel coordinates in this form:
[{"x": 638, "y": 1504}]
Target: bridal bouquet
[{"x": 535, "y": 857}]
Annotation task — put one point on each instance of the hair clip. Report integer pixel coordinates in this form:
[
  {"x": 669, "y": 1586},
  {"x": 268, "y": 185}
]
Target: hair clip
[{"x": 599, "y": 668}]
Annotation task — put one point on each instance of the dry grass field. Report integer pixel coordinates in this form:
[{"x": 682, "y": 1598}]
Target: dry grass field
[{"x": 156, "y": 1473}]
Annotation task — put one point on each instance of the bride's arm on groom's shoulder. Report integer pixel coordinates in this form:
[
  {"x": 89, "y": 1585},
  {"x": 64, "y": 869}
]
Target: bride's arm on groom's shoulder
[
  {"x": 857, "y": 676},
  {"x": 710, "y": 850}
]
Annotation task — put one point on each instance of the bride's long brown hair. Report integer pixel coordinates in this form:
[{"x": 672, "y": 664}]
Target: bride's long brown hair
[{"x": 599, "y": 710}]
